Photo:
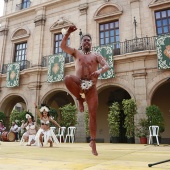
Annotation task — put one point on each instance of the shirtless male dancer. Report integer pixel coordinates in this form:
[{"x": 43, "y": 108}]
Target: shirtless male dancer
[{"x": 83, "y": 84}]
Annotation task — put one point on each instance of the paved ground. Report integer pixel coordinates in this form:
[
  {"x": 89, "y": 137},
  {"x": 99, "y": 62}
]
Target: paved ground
[{"x": 77, "y": 156}]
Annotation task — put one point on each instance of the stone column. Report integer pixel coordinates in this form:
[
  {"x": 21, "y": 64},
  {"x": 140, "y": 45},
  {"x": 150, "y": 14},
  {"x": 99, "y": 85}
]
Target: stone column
[
  {"x": 35, "y": 84},
  {"x": 3, "y": 39},
  {"x": 140, "y": 90},
  {"x": 38, "y": 36},
  {"x": 83, "y": 17}
]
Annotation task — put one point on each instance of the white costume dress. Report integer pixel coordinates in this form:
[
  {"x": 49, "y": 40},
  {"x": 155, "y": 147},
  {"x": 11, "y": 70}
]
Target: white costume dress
[{"x": 48, "y": 134}]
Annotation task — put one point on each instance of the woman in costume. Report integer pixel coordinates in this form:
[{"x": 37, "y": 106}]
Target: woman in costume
[
  {"x": 30, "y": 127},
  {"x": 45, "y": 135}
]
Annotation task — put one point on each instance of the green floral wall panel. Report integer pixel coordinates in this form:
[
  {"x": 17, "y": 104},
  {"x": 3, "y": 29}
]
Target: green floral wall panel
[
  {"x": 163, "y": 51},
  {"x": 55, "y": 68},
  {"x": 107, "y": 53},
  {"x": 12, "y": 79}
]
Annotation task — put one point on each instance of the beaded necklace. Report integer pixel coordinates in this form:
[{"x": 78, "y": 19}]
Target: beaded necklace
[{"x": 86, "y": 53}]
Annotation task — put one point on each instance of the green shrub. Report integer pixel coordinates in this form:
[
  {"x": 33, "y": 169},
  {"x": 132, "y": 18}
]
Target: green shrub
[
  {"x": 68, "y": 115},
  {"x": 114, "y": 119},
  {"x": 17, "y": 117},
  {"x": 3, "y": 117},
  {"x": 130, "y": 109},
  {"x": 155, "y": 117}
]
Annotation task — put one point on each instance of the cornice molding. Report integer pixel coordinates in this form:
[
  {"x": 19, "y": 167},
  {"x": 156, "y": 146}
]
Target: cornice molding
[
  {"x": 131, "y": 1},
  {"x": 19, "y": 33},
  {"x": 60, "y": 23},
  {"x": 108, "y": 10},
  {"x": 34, "y": 8},
  {"x": 34, "y": 85},
  {"x": 139, "y": 75},
  {"x": 156, "y": 3}
]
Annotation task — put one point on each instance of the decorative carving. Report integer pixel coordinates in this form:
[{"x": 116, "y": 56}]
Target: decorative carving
[
  {"x": 39, "y": 20},
  {"x": 3, "y": 31},
  {"x": 20, "y": 33},
  {"x": 60, "y": 23},
  {"x": 83, "y": 8},
  {"x": 107, "y": 10}
]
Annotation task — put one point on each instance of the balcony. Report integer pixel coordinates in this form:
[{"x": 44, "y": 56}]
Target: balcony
[
  {"x": 134, "y": 45},
  {"x": 23, "y": 5},
  {"x": 24, "y": 64},
  {"x": 119, "y": 48},
  {"x": 44, "y": 62}
]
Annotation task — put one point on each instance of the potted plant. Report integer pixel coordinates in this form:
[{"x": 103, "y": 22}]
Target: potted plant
[
  {"x": 142, "y": 130},
  {"x": 155, "y": 117},
  {"x": 130, "y": 109},
  {"x": 114, "y": 122},
  {"x": 86, "y": 122}
]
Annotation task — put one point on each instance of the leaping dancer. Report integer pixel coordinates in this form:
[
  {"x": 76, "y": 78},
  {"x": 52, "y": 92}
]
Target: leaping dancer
[{"x": 83, "y": 84}]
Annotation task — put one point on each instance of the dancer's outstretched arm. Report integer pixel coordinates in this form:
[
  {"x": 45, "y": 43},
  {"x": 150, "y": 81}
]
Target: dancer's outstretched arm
[
  {"x": 54, "y": 122},
  {"x": 38, "y": 111}
]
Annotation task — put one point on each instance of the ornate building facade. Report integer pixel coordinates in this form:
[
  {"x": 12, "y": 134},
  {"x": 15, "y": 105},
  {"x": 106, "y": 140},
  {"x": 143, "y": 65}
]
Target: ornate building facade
[{"x": 31, "y": 30}]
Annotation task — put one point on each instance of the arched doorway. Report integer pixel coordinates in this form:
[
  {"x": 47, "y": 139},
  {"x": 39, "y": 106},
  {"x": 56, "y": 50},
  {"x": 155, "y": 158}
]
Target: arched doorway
[
  {"x": 57, "y": 99},
  {"x": 161, "y": 98},
  {"x": 107, "y": 96},
  {"x": 10, "y": 103}
]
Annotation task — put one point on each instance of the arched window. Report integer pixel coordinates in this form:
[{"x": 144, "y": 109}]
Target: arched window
[
  {"x": 19, "y": 38},
  {"x": 107, "y": 18},
  {"x": 58, "y": 36}
]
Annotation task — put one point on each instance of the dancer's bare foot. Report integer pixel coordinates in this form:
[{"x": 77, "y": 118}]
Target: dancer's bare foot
[
  {"x": 28, "y": 144},
  {"x": 51, "y": 144},
  {"x": 93, "y": 146}
]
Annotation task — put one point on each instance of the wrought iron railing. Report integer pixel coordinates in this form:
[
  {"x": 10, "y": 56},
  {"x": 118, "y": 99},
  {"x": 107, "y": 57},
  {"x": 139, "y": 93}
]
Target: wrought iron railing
[
  {"x": 24, "y": 64},
  {"x": 23, "y": 5},
  {"x": 44, "y": 62},
  {"x": 134, "y": 45}
]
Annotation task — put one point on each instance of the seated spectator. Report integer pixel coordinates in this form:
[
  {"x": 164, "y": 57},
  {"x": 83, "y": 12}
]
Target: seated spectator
[{"x": 15, "y": 129}]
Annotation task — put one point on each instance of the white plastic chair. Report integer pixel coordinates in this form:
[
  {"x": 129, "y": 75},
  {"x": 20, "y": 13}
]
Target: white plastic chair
[
  {"x": 70, "y": 134},
  {"x": 61, "y": 132},
  {"x": 153, "y": 132}
]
